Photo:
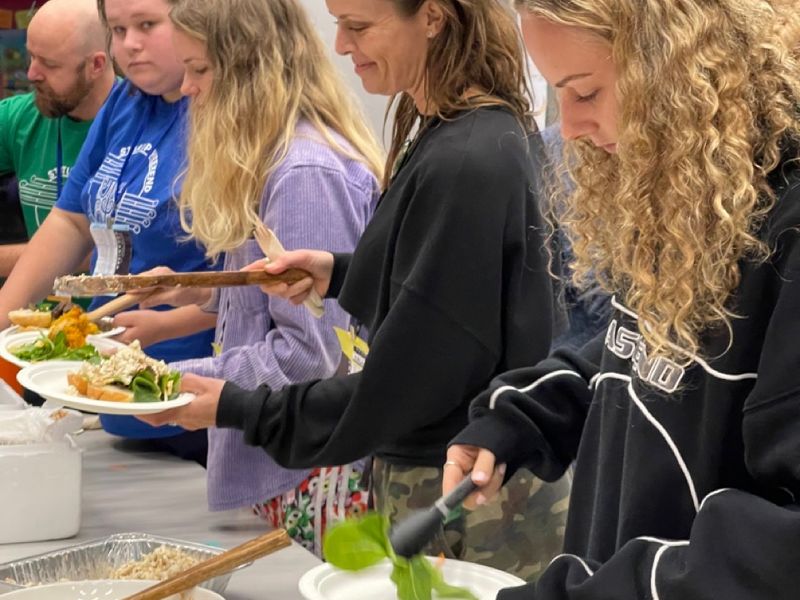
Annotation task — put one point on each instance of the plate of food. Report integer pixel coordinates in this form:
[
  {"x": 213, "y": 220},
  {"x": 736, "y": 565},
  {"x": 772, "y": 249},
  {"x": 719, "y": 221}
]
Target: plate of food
[
  {"x": 126, "y": 383},
  {"x": 29, "y": 347},
  {"x": 326, "y": 582},
  {"x": 55, "y": 313}
]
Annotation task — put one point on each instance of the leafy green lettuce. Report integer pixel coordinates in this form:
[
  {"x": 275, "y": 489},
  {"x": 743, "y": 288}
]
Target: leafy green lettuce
[
  {"x": 43, "y": 348},
  {"x": 356, "y": 544},
  {"x": 147, "y": 388}
]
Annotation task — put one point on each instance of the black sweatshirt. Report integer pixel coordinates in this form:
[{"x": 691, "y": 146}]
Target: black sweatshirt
[
  {"x": 451, "y": 280},
  {"x": 687, "y": 479}
]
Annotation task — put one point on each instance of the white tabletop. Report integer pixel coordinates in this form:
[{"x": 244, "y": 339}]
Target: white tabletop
[{"x": 126, "y": 489}]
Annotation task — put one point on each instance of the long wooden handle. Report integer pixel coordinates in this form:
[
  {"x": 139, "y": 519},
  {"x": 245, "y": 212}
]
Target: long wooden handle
[
  {"x": 86, "y": 285},
  {"x": 222, "y": 563},
  {"x": 216, "y": 279},
  {"x": 116, "y": 305}
]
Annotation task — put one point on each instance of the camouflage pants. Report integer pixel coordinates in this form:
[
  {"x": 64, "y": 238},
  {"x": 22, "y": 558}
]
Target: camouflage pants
[{"x": 518, "y": 532}]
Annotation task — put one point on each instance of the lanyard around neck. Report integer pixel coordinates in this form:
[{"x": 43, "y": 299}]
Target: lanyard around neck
[{"x": 59, "y": 162}]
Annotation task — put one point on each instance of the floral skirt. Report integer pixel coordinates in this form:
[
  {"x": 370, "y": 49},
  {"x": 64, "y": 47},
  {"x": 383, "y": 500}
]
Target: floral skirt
[{"x": 327, "y": 496}]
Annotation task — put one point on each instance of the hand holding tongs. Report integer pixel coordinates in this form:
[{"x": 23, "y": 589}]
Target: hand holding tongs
[{"x": 412, "y": 534}]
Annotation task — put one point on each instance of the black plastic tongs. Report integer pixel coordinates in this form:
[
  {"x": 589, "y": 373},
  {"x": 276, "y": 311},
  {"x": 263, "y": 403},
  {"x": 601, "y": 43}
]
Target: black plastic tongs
[{"x": 409, "y": 537}]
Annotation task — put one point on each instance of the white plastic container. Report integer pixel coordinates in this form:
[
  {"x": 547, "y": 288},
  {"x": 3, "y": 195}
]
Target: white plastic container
[
  {"x": 9, "y": 399},
  {"x": 40, "y": 491}
]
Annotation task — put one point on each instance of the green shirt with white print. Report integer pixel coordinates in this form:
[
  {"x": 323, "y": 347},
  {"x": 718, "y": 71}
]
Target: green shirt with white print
[{"x": 28, "y": 148}]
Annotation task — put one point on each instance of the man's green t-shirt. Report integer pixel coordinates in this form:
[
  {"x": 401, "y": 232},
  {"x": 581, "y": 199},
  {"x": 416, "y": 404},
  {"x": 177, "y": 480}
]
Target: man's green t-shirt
[{"x": 28, "y": 148}]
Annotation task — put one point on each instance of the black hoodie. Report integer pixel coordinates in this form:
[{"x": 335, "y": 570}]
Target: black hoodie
[
  {"x": 687, "y": 477},
  {"x": 451, "y": 280}
]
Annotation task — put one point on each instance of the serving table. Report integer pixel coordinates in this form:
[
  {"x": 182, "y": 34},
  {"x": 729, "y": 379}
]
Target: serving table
[{"x": 127, "y": 488}]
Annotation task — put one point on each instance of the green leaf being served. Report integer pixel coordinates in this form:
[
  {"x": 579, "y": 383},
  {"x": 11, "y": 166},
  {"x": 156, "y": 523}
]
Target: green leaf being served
[{"x": 356, "y": 544}]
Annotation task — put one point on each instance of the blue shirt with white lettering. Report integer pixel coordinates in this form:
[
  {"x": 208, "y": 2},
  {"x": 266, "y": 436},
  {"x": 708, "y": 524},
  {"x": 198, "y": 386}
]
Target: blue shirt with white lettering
[{"x": 127, "y": 173}]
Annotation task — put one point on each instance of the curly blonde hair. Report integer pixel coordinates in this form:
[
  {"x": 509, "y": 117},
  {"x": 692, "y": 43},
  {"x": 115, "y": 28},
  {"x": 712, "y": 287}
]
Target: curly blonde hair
[
  {"x": 708, "y": 95},
  {"x": 270, "y": 70}
]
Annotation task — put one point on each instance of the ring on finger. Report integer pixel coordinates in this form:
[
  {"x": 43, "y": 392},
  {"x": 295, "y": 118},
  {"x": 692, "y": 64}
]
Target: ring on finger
[{"x": 452, "y": 463}]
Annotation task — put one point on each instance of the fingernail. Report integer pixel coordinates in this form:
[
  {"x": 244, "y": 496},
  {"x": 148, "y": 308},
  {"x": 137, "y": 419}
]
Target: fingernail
[
  {"x": 480, "y": 500},
  {"x": 480, "y": 477},
  {"x": 502, "y": 469}
]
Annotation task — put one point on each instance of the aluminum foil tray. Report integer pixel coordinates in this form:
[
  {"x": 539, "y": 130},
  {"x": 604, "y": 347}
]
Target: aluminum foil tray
[{"x": 97, "y": 559}]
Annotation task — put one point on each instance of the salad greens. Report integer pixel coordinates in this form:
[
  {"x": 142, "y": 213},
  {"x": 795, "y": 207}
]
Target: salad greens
[
  {"x": 44, "y": 348},
  {"x": 147, "y": 387},
  {"x": 356, "y": 544},
  {"x": 46, "y": 305}
]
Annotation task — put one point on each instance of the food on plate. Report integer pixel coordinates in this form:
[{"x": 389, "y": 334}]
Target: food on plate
[
  {"x": 159, "y": 564},
  {"x": 51, "y": 348},
  {"x": 41, "y": 314},
  {"x": 129, "y": 375},
  {"x": 362, "y": 542},
  {"x": 30, "y": 317},
  {"x": 57, "y": 313},
  {"x": 75, "y": 325},
  {"x": 65, "y": 339}
]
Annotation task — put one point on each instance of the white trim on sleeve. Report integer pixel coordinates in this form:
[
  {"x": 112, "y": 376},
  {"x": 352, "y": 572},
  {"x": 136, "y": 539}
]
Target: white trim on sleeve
[
  {"x": 510, "y": 388},
  {"x": 578, "y": 558}
]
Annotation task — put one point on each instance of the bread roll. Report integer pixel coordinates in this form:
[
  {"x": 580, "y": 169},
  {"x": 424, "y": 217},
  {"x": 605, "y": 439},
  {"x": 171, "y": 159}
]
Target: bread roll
[
  {"x": 78, "y": 382},
  {"x": 110, "y": 393},
  {"x": 25, "y": 317}
]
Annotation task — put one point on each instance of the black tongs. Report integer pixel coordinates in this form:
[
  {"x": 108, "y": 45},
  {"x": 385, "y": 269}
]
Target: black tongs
[{"x": 409, "y": 537}]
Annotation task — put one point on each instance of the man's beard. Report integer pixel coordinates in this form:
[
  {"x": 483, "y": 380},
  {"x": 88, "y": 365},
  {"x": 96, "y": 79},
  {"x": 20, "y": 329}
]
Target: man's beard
[{"x": 55, "y": 105}]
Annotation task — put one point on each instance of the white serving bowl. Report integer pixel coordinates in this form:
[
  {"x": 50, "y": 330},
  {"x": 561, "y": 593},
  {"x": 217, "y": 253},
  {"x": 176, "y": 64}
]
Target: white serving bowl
[
  {"x": 326, "y": 582},
  {"x": 100, "y": 590}
]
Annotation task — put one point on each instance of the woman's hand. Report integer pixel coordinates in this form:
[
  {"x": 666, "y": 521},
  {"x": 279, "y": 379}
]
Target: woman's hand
[
  {"x": 463, "y": 459},
  {"x": 318, "y": 263},
  {"x": 171, "y": 296},
  {"x": 147, "y": 326},
  {"x": 200, "y": 413}
]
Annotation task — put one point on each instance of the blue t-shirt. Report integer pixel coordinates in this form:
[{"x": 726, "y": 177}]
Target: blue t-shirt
[{"x": 139, "y": 192}]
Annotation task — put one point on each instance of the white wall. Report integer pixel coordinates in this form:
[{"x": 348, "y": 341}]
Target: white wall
[{"x": 375, "y": 106}]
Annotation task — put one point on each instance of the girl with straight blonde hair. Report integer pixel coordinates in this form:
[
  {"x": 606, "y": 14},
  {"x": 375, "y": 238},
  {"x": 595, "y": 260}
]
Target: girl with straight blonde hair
[
  {"x": 683, "y": 418},
  {"x": 275, "y": 141}
]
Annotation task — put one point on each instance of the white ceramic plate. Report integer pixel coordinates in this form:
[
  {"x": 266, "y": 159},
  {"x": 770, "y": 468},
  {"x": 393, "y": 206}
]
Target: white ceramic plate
[
  {"x": 12, "y": 340},
  {"x": 326, "y": 582},
  {"x": 49, "y": 380},
  {"x": 100, "y": 590}
]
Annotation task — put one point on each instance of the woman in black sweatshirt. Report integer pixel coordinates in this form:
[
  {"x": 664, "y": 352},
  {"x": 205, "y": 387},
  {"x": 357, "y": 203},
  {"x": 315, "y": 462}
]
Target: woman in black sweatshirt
[
  {"x": 684, "y": 416},
  {"x": 450, "y": 279}
]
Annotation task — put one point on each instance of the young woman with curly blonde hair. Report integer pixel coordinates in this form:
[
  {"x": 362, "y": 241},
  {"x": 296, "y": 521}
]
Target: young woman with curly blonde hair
[{"x": 683, "y": 126}]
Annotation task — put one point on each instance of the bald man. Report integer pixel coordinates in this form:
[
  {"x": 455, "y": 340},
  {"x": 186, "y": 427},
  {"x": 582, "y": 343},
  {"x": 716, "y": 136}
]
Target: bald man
[{"x": 42, "y": 132}]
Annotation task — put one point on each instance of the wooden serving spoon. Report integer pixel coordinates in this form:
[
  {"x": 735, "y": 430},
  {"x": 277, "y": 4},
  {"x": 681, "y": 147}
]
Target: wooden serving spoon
[
  {"x": 116, "y": 305},
  {"x": 222, "y": 563}
]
